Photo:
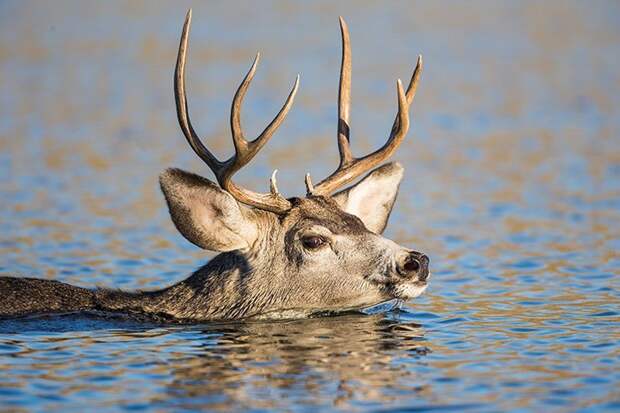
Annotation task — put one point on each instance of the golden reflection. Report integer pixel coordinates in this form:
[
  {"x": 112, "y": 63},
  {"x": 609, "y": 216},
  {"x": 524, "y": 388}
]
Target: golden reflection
[{"x": 363, "y": 354}]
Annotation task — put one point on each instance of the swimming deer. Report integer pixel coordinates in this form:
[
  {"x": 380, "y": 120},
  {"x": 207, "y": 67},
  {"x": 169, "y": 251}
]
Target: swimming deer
[{"x": 278, "y": 257}]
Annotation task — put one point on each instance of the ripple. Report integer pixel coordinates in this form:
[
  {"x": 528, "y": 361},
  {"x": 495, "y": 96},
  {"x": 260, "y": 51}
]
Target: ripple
[{"x": 605, "y": 314}]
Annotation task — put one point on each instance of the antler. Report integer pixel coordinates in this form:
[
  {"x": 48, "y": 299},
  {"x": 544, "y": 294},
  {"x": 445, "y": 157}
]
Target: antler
[
  {"x": 350, "y": 167},
  {"x": 244, "y": 150}
]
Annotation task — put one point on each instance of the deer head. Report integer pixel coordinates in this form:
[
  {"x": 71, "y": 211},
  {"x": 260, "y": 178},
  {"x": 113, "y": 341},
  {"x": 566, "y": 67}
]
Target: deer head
[{"x": 320, "y": 252}]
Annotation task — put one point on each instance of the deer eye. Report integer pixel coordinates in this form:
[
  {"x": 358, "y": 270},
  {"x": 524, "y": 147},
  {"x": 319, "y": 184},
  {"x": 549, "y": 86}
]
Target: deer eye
[{"x": 312, "y": 241}]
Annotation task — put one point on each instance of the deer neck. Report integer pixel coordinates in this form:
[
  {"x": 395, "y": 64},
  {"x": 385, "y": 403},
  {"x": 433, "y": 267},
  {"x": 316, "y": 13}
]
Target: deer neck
[{"x": 228, "y": 287}]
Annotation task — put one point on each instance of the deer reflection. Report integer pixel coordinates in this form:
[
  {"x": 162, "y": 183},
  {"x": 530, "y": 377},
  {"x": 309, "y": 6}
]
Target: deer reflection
[{"x": 325, "y": 361}]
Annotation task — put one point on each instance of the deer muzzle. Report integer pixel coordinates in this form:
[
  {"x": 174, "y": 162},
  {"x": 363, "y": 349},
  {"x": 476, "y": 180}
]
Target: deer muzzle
[{"x": 413, "y": 264}]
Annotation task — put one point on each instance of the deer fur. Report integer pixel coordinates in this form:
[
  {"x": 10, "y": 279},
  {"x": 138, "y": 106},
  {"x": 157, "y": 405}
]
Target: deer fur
[
  {"x": 278, "y": 257},
  {"x": 263, "y": 270}
]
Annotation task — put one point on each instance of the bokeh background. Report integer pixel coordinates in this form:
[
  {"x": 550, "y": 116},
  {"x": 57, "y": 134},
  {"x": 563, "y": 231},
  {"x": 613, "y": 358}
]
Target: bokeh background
[{"x": 512, "y": 187}]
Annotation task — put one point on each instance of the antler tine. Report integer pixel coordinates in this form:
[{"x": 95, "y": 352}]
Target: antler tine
[
  {"x": 411, "y": 89},
  {"x": 181, "y": 101},
  {"x": 344, "y": 97},
  {"x": 244, "y": 150},
  {"x": 265, "y": 135},
  {"x": 235, "y": 110},
  {"x": 357, "y": 167},
  {"x": 350, "y": 168}
]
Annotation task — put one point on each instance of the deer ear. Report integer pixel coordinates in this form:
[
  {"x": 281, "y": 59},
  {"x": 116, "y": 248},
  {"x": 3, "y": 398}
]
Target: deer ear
[
  {"x": 206, "y": 215},
  {"x": 372, "y": 198}
]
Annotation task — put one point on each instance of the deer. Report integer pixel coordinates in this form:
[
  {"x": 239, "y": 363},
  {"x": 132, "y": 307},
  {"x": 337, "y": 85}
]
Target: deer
[{"x": 278, "y": 257}]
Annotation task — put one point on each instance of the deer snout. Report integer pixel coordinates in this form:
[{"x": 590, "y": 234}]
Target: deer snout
[{"x": 413, "y": 264}]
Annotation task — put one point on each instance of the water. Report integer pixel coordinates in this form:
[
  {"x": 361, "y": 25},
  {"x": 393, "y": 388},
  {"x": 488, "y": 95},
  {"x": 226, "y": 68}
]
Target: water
[{"x": 512, "y": 186}]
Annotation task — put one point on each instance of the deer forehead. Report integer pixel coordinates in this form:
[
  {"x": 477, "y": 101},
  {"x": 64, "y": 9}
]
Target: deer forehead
[{"x": 323, "y": 211}]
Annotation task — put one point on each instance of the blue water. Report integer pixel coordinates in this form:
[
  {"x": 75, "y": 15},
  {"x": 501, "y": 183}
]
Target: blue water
[{"x": 512, "y": 187}]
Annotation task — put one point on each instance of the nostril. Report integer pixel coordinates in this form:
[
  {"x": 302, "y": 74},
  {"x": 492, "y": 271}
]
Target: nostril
[
  {"x": 411, "y": 265},
  {"x": 425, "y": 260}
]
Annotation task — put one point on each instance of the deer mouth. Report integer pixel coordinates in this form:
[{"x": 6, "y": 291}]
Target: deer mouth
[
  {"x": 401, "y": 286},
  {"x": 407, "y": 289}
]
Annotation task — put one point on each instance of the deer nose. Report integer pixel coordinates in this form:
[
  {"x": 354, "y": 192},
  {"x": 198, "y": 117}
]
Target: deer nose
[{"x": 414, "y": 263}]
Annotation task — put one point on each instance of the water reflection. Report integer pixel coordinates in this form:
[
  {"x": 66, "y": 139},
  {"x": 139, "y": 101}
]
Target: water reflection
[
  {"x": 347, "y": 358},
  {"x": 331, "y": 362}
]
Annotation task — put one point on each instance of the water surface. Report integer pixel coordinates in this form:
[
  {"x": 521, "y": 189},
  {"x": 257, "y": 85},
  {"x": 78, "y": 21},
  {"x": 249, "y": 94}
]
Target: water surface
[{"x": 512, "y": 187}]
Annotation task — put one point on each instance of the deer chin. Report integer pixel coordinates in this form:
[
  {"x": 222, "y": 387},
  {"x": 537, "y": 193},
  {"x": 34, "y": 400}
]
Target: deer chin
[
  {"x": 408, "y": 290},
  {"x": 397, "y": 288}
]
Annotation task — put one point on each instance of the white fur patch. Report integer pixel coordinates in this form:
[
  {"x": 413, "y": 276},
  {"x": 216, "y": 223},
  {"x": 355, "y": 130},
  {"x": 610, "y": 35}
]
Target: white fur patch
[
  {"x": 408, "y": 291},
  {"x": 401, "y": 291}
]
